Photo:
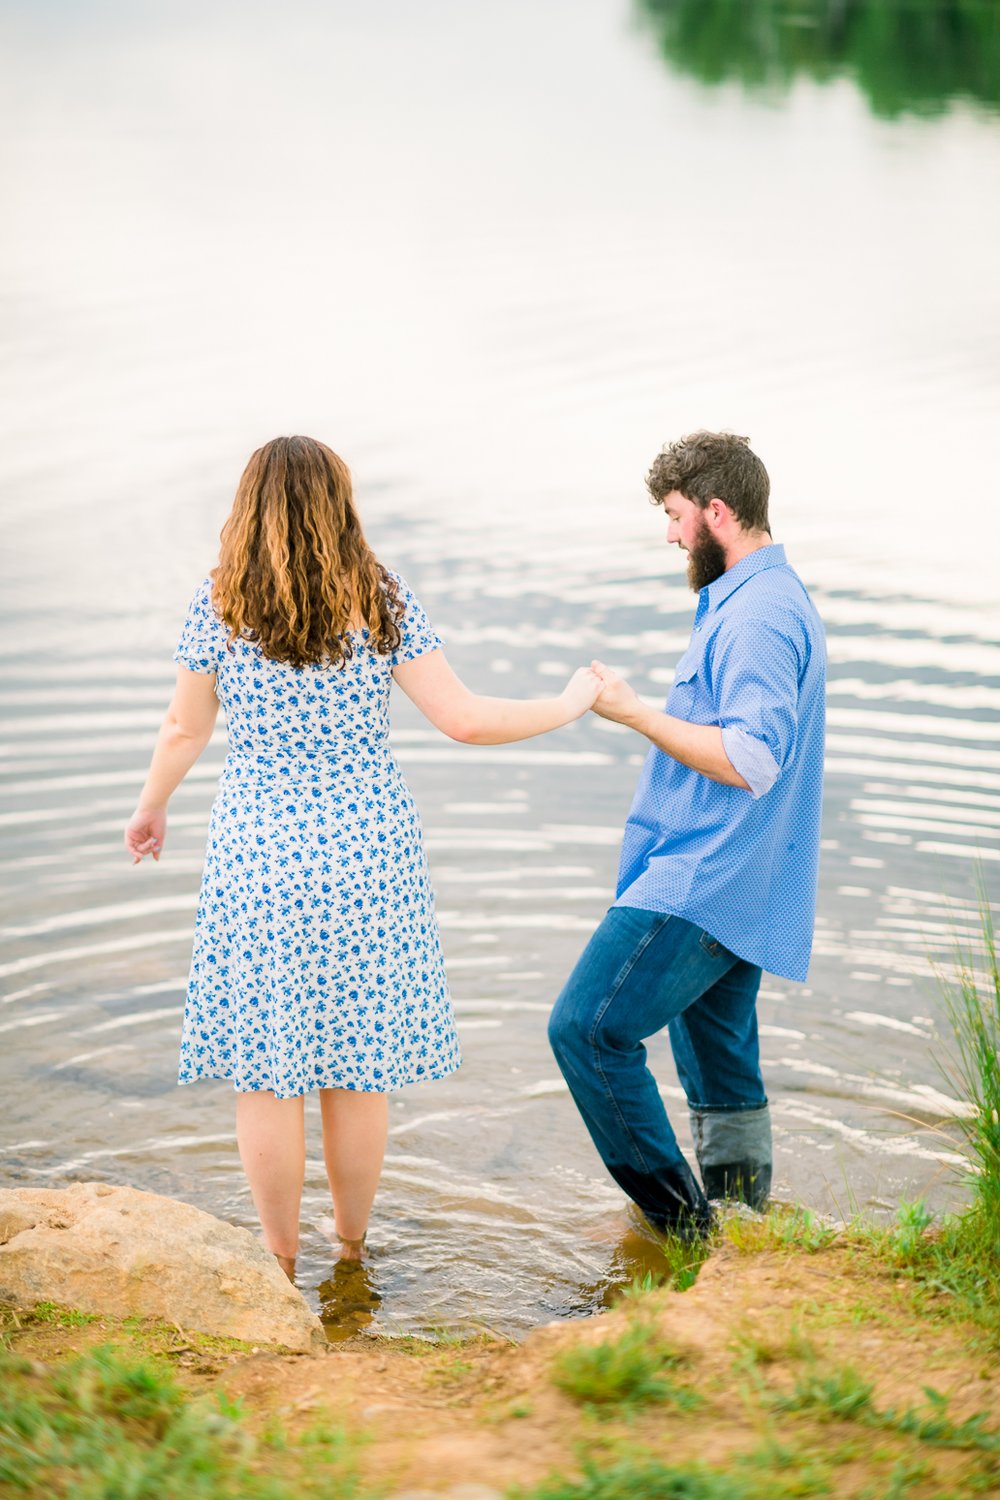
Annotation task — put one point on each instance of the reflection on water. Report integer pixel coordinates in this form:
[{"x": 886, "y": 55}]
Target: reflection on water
[
  {"x": 349, "y": 1299},
  {"x": 907, "y": 56}
]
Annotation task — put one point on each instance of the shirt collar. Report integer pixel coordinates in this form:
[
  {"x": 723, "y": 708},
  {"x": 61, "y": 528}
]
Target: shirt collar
[{"x": 714, "y": 594}]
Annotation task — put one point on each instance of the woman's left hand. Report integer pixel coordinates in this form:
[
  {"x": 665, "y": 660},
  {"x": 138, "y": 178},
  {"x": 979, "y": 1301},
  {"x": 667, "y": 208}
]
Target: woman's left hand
[
  {"x": 146, "y": 832},
  {"x": 617, "y": 700},
  {"x": 581, "y": 690}
]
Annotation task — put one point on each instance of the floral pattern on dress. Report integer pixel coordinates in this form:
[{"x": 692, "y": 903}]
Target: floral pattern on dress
[{"x": 317, "y": 958}]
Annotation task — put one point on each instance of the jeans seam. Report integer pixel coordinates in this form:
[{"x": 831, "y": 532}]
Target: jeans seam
[
  {"x": 599, "y": 1015},
  {"x": 726, "y": 1109}
]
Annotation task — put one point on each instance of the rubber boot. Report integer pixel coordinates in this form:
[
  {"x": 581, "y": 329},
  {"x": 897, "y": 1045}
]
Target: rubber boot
[
  {"x": 671, "y": 1199},
  {"x": 733, "y": 1147}
]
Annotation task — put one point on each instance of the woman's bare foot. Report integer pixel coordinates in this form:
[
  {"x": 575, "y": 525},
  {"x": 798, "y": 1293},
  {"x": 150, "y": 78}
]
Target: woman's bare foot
[
  {"x": 346, "y": 1249},
  {"x": 351, "y": 1249},
  {"x": 287, "y": 1264}
]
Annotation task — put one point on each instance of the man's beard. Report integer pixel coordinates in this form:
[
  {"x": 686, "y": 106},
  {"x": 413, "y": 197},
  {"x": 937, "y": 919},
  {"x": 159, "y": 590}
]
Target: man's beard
[{"x": 706, "y": 559}]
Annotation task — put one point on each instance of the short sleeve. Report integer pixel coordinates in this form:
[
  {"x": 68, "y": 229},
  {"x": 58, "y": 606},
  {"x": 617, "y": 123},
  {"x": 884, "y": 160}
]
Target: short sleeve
[
  {"x": 757, "y": 668},
  {"x": 203, "y": 636},
  {"x": 419, "y": 635}
]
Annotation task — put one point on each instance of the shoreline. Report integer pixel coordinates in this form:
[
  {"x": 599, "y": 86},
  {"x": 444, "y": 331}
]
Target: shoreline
[{"x": 798, "y": 1362}]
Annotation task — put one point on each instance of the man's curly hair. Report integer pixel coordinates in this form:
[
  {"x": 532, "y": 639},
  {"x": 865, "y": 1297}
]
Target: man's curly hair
[{"x": 708, "y": 466}]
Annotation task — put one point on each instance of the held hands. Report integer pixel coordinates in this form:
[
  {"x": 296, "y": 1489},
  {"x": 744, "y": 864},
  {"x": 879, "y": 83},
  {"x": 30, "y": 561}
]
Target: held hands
[
  {"x": 145, "y": 833},
  {"x": 601, "y": 689},
  {"x": 616, "y": 699},
  {"x": 581, "y": 691}
]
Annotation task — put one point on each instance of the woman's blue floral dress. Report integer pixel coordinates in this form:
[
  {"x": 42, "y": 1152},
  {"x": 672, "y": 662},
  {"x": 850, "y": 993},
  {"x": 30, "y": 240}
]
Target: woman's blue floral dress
[{"x": 317, "y": 960}]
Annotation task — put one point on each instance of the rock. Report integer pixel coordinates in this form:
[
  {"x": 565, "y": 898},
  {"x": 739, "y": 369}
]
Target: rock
[
  {"x": 118, "y": 1252},
  {"x": 732, "y": 1208},
  {"x": 13, "y": 1219}
]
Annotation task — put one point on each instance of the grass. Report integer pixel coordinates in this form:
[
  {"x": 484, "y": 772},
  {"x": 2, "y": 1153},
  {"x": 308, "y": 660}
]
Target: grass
[
  {"x": 755, "y": 1350},
  {"x": 781, "y": 1228},
  {"x": 150, "y": 1335},
  {"x": 684, "y": 1259},
  {"x": 109, "y": 1426},
  {"x": 768, "y": 1474},
  {"x": 844, "y": 1395},
  {"x": 681, "y": 1262},
  {"x": 618, "y": 1375},
  {"x": 972, "y": 1003},
  {"x": 61, "y": 1317},
  {"x": 435, "y": 1339},
  {"x": 772, "y": 1471}
]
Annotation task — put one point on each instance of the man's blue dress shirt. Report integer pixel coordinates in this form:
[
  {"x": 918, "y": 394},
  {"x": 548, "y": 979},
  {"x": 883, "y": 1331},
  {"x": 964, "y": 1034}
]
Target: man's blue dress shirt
[{"x": 741, "y": 864}]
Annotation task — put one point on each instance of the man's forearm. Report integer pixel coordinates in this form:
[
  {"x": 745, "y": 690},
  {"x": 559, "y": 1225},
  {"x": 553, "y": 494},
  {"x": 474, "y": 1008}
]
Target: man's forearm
[{"x": 696, "y": 745}]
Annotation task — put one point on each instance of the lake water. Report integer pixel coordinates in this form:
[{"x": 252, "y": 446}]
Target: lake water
[{"x": 496, "y": 256}]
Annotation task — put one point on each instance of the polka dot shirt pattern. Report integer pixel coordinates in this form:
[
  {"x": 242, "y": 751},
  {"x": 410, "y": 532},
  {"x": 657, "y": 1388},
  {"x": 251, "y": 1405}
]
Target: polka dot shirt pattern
[
  {"x": 317, "y": 959},
  {"x": 741, "y": 864}
]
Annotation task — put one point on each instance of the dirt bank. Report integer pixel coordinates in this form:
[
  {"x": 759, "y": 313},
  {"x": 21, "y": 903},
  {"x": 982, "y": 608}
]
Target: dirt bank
[{"x": 779, "y": 1365}]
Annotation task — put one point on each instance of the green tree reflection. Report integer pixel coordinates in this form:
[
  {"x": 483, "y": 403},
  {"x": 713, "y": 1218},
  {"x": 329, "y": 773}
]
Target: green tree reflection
[{"x": 907, "y": 56}]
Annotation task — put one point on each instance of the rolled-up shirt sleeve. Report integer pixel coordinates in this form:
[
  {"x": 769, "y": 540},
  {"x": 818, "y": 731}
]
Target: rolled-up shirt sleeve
[
  {"x": 751, "y": 758},
  {"x": 757, "y": 668}
]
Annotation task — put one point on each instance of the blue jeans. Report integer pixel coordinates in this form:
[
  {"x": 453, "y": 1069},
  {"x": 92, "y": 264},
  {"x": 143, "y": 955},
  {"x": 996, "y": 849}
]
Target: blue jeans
[{"x": 640, "y": 972}]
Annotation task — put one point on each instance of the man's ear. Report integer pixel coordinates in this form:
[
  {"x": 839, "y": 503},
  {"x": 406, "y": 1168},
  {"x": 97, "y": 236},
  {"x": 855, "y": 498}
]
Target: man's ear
[{"x": 718, "y": 512}]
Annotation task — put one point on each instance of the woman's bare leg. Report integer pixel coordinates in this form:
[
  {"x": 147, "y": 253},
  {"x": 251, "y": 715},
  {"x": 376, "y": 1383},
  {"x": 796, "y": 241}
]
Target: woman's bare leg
[
  {"x": 272, "y": 1139},
  {"x": 355, "y": 1126}
]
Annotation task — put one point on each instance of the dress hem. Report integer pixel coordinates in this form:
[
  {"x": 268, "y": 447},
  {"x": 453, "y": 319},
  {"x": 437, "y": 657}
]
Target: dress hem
[{"x": 431, "y": 1076}]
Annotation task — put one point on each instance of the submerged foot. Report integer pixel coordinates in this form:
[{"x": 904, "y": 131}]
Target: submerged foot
[
  {"x": 346, "y": 1249},
  {"x": 351, "y": 1249},
  {"x": 287, "y": 1264}
]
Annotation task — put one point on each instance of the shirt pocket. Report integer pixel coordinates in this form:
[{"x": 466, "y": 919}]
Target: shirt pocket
[{"x": 685, "y": 691}]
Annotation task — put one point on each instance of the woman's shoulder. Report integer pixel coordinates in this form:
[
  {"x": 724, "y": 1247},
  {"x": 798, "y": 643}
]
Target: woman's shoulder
[
  {"x": 396, "y": 585},
  {"x": 201, "y": 610},
  {"x": 203, "y": 634},
  {"x": 201, "y": 600}
]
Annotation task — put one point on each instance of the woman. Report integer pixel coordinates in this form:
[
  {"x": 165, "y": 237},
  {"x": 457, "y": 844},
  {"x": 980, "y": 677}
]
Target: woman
[{"x": 317, "y": 962}]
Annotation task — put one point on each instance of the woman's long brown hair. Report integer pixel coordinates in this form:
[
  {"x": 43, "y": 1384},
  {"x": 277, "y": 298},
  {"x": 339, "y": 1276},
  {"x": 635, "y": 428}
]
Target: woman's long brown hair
[{"x": 295, "y": 573}]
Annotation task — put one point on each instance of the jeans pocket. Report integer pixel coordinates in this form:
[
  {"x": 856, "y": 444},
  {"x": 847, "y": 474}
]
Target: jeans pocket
[
  {"x": 712, "y": 946},
  {"x": 646, "y": 925}
]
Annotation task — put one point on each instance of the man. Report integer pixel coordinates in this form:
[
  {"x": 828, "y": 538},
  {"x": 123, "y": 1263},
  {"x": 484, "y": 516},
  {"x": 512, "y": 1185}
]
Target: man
[{"x": 717, "y": 877}]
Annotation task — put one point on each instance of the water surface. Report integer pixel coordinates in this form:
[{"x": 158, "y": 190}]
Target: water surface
[{"x": 495, "y": 258}]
